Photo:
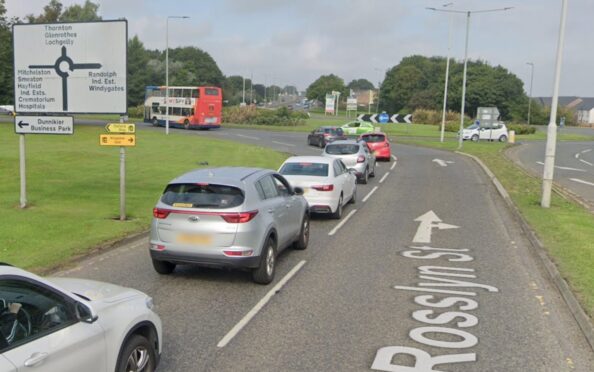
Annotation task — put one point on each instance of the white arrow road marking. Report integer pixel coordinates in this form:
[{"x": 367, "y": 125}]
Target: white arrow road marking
[
  {"x": 565, "y": 168},
  {"x": 440, "y": 162},
  {"x": 582, "y": 181},
  {"x": 334, "y": 230},
  {"x": 587, "y": 162},
  {"x": 449, "y": 162},
  {"x": 428, "y": 222},
  {"x": 577, "y": 156}
]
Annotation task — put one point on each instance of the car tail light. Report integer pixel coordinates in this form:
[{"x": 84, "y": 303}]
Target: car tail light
[
  {"x": 323, "y": 187},
  {"x": 242, "y": 253},
  {"x": 326, "y": 134},
  {"x": 241, "y": 217},
  {"x": 160, "y": 213},
  {"x": 360, "y": 159}
]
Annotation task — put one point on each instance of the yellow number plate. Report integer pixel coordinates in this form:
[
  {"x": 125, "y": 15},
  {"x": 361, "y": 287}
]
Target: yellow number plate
[{"x": 194, "y": 239}]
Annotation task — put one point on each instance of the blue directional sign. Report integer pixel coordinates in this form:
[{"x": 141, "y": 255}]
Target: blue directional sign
[{"x": 383, "y": 118}]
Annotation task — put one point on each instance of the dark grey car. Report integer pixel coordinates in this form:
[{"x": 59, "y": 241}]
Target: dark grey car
[
  {"x": 323, "y": 135},
  {"x": 228, "y": 217}
]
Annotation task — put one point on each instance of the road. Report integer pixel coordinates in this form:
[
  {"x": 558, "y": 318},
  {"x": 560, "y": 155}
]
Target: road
[
  {"x": 429, "y": 263},
  {"x": 574, "y": 165}
]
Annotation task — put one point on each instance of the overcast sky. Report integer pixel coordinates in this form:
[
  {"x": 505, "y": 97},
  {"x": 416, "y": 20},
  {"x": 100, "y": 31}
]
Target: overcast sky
[{"x": 294, "y": 42}]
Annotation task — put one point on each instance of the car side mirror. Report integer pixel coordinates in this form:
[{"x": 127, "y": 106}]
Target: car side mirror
[
  {"x": 85, "y": 313},
  {"x": 298, "y": 190}
]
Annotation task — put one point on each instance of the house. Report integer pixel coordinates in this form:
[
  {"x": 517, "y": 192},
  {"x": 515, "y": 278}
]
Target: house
[{"x": 582, "y": 106}]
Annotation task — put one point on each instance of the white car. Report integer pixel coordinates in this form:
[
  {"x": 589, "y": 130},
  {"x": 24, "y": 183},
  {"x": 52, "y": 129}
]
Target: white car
[
  {"x": 326, "y": 182},
  {"x": 68, "y": 325},
  {"x": 498, "y": 132}
]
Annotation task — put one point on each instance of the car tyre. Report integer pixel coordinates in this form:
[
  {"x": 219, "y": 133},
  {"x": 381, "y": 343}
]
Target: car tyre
[
  {"x": 354, "y": 197},
  {"x": 365, "y": 177},
  {"x": 163, "y": 267},
  {"x": 503, "y": 138},
  {"x": 303, "y": 240},
  {"x": 337, "y": 215},
  {"x": 186, "y": 124},
  {"x": 474, "y": 138},
  {"x": 372, "y": 174},
  {"x": 138, "y": 354},
  {"x": 322, "y": 144},
  {"x": 155, "y": 122},
  {"x": 264, "y": 273}
]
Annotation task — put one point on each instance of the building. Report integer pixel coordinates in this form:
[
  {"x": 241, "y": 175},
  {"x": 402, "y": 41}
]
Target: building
[{"x": 582, "y": 106}]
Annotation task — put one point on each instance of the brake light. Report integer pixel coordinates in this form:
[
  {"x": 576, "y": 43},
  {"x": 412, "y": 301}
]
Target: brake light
[
  {"x": 323, "y": 187},
  {"x": 360, "y": 159},
  {"x": 326, "y": 134},
  {"x": 243, "y": 253},
  {"x": 241, "y": 217},
  {"x": 160, "y": 213}
]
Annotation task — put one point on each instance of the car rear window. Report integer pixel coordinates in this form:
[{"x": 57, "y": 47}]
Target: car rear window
[
  {"x": 342, "y": 149},
  {"x": 373, "y": 138},
  {"x": 202, "y": 195},
  {"x": 334, "y": 131},
  {"x": 305, "y": 169}
]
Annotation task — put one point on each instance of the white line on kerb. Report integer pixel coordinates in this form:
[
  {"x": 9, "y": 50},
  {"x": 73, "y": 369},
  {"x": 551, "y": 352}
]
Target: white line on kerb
[
  {"x": 334, "y": 230},
  {"x": 245, "y": 320},
  {"x": 384, "y": 177},
  {"x": 283, "y": 143},
  {"x": 582, "y": 181},
  {"x": 249, "y": 137},
  {"x": 370, "y": 193},
  {"x": 587, "y": 162}
]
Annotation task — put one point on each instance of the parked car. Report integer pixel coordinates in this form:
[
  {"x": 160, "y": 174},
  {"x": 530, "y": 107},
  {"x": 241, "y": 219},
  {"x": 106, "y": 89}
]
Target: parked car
[
  {"x": 355, "y": 128},
  {"x": 327, "y": 183},
  {"x": 379, "y": 144},
  {"x": 323, "y": 135},
  {"x": 7, "y": 110},
  {"x": 354, "y": 155},
  {"x": 228, "y": 217},
  {"x": 73, "y": 325},
  {"x": 498, "y": 132}
]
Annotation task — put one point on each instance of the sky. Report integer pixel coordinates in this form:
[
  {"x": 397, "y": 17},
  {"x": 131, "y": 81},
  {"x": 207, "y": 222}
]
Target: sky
[{"x": 286, "y": 42}]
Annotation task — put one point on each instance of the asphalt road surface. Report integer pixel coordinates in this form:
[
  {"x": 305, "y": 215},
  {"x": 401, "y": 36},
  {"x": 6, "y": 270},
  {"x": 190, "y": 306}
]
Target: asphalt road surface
[
  {"x": 574, "y": 165},
  {"x": 428, "y": 264}
]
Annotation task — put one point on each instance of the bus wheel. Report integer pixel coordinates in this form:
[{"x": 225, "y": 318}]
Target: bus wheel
[
  {"x": 186, "y": 124},
  {"x": 155, "y": 122}
]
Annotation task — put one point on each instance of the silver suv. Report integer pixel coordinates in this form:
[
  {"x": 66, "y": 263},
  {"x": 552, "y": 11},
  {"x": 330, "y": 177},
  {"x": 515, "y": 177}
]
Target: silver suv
[
  {"x": 355, "y": 155},
  {"x": 228, "y": 217}
]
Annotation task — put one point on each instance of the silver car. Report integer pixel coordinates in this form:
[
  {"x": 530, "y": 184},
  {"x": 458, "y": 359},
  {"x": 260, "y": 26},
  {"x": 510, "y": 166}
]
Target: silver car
[
  {"x": 228, "y": 217},
  {"x": 355, "y": 155}
]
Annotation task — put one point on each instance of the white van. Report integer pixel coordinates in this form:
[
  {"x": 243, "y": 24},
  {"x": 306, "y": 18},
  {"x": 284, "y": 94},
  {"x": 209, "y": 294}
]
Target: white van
[{"x": 498, "y": 132}]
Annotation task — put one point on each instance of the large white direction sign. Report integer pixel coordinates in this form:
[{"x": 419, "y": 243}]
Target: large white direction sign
[
  {"x": 43, "y": 124},
  {"x": 70, "y": 67}
]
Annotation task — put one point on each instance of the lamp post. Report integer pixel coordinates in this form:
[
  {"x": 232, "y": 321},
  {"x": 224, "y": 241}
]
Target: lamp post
[
  {"x": 468, "y": 14},
  {"x": 167, "y": 71},
  {"x": 549, "y": 164},
  {"x": 530, "y": 96},
  {"x": 379, "y": 89}
]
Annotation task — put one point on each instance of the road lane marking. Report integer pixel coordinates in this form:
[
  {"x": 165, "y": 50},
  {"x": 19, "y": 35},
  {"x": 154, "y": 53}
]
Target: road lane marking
[
  {"x": 440, "y": 162},
  {"x": 586, "y": 150},
  {"x": 577, "y": 156},
  {"x": 582, "y": 181},
  {"x": 565, "y": 168},
  {"x": 394, "y": 157},
  {"x": 334, "y": 230},
  {"x": 384, "y": 177},
  {"x": 369, "y": 194},
  {"x": 246, "y": 319},
  {"x": 428, "y": 222},
  {"x": 248, "y": 137},
  {"x": 586, "y": 162},
  {"x": 283, "y": 143},
  {"x": 393, "y": 165}
]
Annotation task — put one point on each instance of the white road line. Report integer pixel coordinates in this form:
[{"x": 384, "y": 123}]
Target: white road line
[
  {"x": 393, "y": 157},
  {"x": 587, "y": 162},
  {"x": 565, "y": 168},
  {"x": 586, "y": 150},
  {"x": 393, "y": 165},
  {"x": 384, "y": 177},
  {"x": 577, "y": 156},
  {"x": 334, "y": 230},
  {"x": 246, "y": 319},
  {"x": 283, "y": 143},
  {"x": 249, "y": 137},
  {"x": 582, "y": 181},
  {"x": 370, "y": 193}
]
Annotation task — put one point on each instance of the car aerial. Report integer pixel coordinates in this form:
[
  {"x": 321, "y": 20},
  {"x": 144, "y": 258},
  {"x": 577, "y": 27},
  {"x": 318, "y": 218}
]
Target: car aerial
[
  {"x": 326, "y": 182},
  {"x": 379, "y": 144},
  {"x": 497, "y": 132},
  {"x": 354, "y": 154},
  {"x": 228, "y": 217},
  {"x": 355, "y": 128},
  {"x": 72, "y": 325},
  {"x": 323, "y": 135}
]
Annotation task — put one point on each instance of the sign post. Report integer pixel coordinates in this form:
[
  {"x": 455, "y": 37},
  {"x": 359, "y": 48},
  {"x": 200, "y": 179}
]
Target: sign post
[
  {"x": 122, "y": 180},
  {"x": 23, "y": 198}
]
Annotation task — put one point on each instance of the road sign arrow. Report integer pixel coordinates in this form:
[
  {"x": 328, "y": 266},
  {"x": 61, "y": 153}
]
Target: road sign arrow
[
  {"x": 428, "y": 222},
  {"x": 372, "y": 118},
  {"x": 360, "y": 117},
  {"x": 394, "y": 118},
  {"x": 21, "y": 124},
  {"x": 408, "y": 118}
]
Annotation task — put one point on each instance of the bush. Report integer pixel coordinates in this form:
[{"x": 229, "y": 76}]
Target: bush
[
  {"x": 136, "y": 111},
  {"x": 521, "y": 128},
  {"x": 451, "y": 127},
  {"x": 252, "y": 115},
  {"x": 433, "y": 117}
]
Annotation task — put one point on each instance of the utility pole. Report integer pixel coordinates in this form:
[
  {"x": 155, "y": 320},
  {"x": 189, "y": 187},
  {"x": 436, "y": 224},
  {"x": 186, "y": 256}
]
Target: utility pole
[{"x": 530, "y": 97}]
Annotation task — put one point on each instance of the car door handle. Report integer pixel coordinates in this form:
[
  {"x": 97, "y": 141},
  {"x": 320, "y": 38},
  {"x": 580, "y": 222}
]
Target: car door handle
[{"x": 35, "y": 359}]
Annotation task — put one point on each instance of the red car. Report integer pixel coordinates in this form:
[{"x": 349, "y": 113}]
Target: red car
[{"x": 378, "y": 143}]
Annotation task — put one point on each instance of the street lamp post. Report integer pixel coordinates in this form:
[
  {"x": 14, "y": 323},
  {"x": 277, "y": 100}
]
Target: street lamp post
[
  {"x": 167, "y": 71},
  {"x": 379, "y": 90},
  {"x": 549, "y": 163},
  {"x": 530, "y": 96},
  {"x": 468, "y": 14}
]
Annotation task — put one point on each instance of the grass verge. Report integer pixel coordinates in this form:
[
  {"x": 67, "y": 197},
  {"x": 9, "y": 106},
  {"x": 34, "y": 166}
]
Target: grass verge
[
  {"x": 566, "y": 229},
  {"x": 73, "y": 188}
]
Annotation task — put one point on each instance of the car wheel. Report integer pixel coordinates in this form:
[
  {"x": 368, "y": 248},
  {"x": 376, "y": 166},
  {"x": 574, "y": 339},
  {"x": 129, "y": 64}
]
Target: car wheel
[
  {"x": 137, "y": 355},
  {"x": 186, "y": 124},
  {"x": 338, "y": 214},
  {"x": 264, "y": 273},
  {"x": 163, "y": 267},
  {"x": 365, "y": 177},
  {"x": 372, "y": 174},
  {"x": 303, "y": 240},
  {"x": 322, "y": 144},
  {"x": 474, "y": 138},
  {"x": 503, "y": 138},
  {"x": 354, "y": 197},
  {"x": 308, "y": 141},
  {"x": 155, "y": 122}
]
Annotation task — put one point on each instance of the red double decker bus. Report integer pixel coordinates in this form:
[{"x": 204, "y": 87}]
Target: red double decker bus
[{"x": 189, "y": 107}]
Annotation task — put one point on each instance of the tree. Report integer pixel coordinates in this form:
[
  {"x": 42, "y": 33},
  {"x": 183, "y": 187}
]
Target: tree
[
  {"x": 361, "y": 84},
  {"x": 51, "y": 13},
  {"x": 198, "y": 67},
  {"x": 138, "y": 74},
  {"x": 86, "y": 13},
  {"x": 325, "y": 84},
  {"x": 6, "y": 76}
]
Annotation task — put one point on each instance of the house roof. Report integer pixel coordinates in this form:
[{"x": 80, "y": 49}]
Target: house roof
[{"x": 574, "y": 102}]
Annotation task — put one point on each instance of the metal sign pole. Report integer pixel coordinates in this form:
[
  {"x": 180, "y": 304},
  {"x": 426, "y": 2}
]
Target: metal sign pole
[
  {"x": 22, "y": 171},
  {"x": 122, "y": 180}
]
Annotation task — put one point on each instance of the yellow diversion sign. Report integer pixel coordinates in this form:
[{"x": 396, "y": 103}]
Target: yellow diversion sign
[
  {"x": 120, "y": 128},
  {"x": 117, "y": 140}
]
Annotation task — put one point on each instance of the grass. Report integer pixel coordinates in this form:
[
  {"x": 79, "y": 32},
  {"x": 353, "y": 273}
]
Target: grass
[
  {"x": 73, "y": 188},
  {"x": 566, "y": 229}
]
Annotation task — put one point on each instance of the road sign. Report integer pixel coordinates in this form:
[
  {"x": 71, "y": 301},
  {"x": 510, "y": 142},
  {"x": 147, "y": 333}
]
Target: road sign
[
  {"x": 120, "y": 128},
  {"x": 381, "y": 118},
  {"x": 330, "y": 99},
  {"x": 126, "y": 140},
  {"x": 43, "y": 124},
  {"x": 70, "y": 67},
  {"x": 351, "y": 104}
]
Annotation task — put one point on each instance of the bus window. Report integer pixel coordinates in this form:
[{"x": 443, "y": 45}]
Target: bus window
[
  {"x": 195, "y": 93},
  {"x": 187, "y": 93},
  {"x": 162, "y": 110},
  {"x": 176, "y": 111},
  {"x": 211, "y": 92},
  {"x": 155, "y": 107},
  {"x": 177, "y": 92},
  {"x": 185, "y": 111}
]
